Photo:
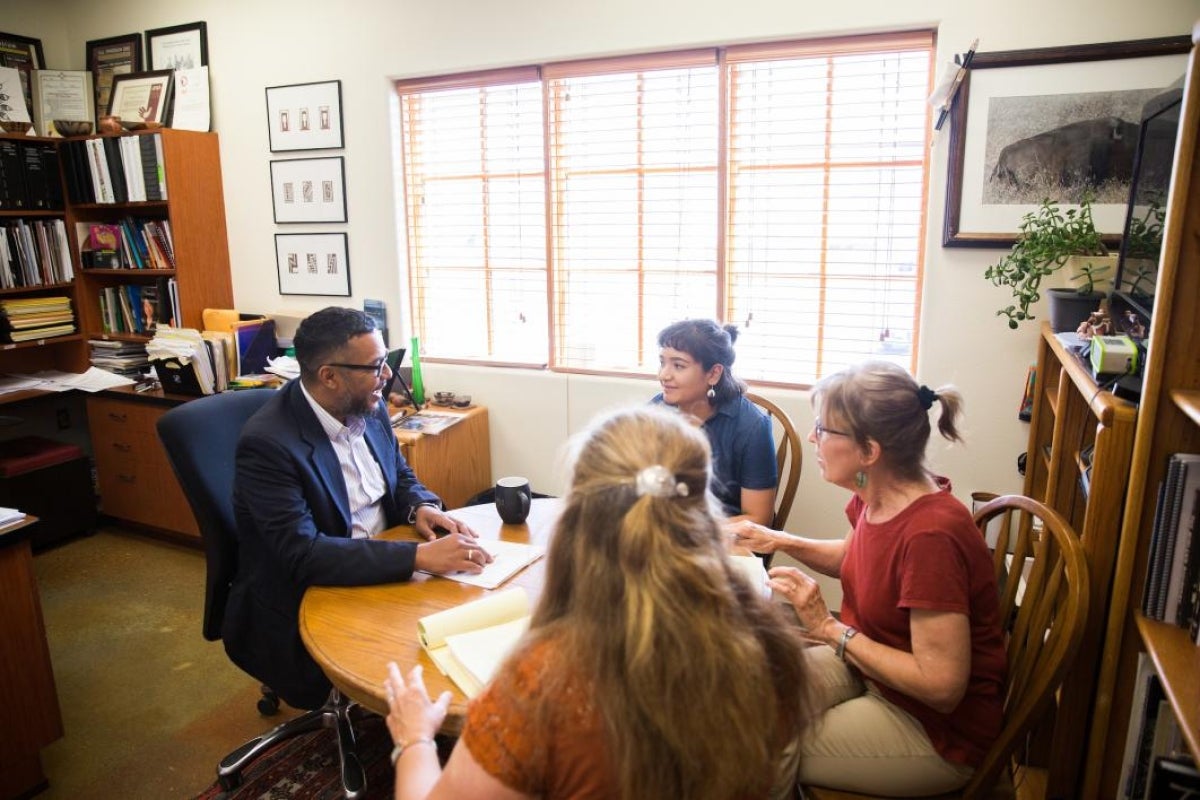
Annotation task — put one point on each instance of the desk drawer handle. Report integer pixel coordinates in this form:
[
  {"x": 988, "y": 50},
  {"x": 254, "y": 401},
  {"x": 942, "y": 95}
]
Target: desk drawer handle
[
  {"x": 127, "y": 478},
  {"x": 124, "y": 448},
  {"x": 114, "y": 416}
]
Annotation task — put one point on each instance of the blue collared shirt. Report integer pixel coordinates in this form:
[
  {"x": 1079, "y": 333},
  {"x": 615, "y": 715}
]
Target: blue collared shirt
[{"x": 743, "y": 451}]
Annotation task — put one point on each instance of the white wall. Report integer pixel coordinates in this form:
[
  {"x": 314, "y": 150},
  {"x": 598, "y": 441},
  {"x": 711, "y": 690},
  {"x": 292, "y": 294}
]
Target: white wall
[{"x": 258, "y": 43}]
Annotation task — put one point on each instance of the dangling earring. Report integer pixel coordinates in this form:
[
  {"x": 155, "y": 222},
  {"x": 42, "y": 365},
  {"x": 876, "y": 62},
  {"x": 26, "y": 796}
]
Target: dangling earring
[
  {"x": 711, "y": 393},
  {"x": 860, "y": 479}
]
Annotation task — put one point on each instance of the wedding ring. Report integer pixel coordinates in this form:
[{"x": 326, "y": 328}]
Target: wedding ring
[{"x": 471, "y": 556}]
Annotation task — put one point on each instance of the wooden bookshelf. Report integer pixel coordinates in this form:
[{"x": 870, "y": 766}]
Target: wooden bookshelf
[
  {"x": 1071, "y": 414},
  {"x": 1168, "y": 422}
]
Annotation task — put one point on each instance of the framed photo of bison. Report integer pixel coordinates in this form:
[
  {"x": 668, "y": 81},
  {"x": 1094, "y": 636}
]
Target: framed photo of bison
[{"x": 1052, "y": 123}]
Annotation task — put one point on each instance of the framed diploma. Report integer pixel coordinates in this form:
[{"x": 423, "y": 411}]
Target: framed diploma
[
  {"x": 142, "y": 97},
  {"x": 61, "y": 95}
]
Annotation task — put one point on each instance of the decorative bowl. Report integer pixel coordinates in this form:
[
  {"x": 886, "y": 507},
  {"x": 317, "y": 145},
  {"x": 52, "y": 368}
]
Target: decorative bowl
[
  {"x": 12, "y": 126},
  {"x": 110, "y": 124},
  {"x": 73, "y": 127}
]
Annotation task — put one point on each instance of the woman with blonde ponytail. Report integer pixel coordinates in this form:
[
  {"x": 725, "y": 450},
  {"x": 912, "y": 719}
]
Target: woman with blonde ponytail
[{"x": 651, "y": 669}]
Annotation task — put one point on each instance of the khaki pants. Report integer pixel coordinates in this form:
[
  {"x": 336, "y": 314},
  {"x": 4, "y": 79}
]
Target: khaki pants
[{"x": 860, "y": 742}]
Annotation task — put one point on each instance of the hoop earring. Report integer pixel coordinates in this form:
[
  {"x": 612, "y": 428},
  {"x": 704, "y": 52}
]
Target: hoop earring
[
  {"x": 860, "y": 479},
  {"x": 711, "y": 393}
]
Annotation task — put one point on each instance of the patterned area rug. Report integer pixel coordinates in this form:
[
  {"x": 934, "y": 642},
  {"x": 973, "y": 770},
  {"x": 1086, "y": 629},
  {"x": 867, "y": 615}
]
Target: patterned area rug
[{"x": 306, "y": 767}]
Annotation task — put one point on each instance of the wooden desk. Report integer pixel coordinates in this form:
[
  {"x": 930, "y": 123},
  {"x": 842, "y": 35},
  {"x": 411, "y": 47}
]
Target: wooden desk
[
  {"x": 31, "y": 716},
  {"x": 455, "y": 464},
  {"x": 353, "y": 632}
]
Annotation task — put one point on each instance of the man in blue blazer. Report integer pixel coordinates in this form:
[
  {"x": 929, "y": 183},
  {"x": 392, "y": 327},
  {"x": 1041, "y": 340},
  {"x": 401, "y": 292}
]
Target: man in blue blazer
[{"x": 319, "y": 473}]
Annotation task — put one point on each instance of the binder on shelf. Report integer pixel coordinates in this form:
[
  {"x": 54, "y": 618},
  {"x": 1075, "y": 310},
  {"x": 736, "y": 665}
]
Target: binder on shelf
[
  {"x": 12, "y": 168},
  {"x": 37, "y": 180}
]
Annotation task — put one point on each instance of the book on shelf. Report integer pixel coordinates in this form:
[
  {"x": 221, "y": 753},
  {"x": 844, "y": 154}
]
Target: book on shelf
[
  {"x": 1173, "y": 557},
  {"x": 12, "y": 175},
  {"x": 469, "y": 642},
  {"x": 1139, "y": 737},
  {"x": 30, "y": 318}
]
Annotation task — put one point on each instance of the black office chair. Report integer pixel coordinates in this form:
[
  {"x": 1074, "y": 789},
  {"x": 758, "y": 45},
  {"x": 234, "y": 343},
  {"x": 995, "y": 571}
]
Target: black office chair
[{"x": 200, "y": 438}]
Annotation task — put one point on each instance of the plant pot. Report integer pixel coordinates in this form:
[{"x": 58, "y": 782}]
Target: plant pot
[{"x": 1069, "y": 308}]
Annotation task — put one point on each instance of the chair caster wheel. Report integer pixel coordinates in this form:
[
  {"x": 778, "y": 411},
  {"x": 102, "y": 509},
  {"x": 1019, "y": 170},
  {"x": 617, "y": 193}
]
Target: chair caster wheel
[{"x": 268, "y": 706}]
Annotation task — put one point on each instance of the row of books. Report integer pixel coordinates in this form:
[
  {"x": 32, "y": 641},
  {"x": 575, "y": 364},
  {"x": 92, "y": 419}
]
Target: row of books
[
  {"x": 139, "y": 308},
  {"x": 34, "y": 253},
  {"x": 29, "y": 176},
  {"x": 1172, "y": 588},
  {"x": 115, "y": 169},
  {"x": 131, "y": 243},
  {"x": 30, "y": 318},
  {"x": 1156, "y": 764}
]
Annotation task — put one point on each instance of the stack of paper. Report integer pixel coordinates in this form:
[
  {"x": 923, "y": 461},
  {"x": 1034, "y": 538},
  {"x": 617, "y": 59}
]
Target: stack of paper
[
  {"x": 183, "y": 347},
  {"x": 468, "y": 643},
  {"x": 508, "y": 558},
  {"x": 8, "y": 516},
  {"x": 751, "y": 568}
]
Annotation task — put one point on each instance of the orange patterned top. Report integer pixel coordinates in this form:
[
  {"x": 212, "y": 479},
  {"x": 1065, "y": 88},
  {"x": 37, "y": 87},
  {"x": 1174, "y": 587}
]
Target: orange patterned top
[{"x": 564, "y": 759}]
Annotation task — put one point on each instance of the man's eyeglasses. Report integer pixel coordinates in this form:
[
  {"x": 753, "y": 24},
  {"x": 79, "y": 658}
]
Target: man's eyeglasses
[
  {"x": 376, "y": 368},
  {"x": 822, "y": 431}
]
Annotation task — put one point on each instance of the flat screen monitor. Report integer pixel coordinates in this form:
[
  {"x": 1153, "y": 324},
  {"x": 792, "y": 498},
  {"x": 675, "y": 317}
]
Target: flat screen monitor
[{"x": 1141, "y": 242}]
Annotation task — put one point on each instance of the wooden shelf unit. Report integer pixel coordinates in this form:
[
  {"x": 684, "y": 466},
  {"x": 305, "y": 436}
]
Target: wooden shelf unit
[
  {"x": 195, "y": 208},
  {"x": 1070, "y": 414},
  {"x": 1168, "y": 422},
  {"x": 67, "y": 353}
]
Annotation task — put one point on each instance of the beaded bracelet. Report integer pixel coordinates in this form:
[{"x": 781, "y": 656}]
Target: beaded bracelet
[{"x": 399, "y": 749}]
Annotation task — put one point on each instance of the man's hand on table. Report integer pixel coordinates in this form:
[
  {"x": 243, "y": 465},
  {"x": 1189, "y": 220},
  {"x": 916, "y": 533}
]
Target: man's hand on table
[{"x": 457, "y": 551}]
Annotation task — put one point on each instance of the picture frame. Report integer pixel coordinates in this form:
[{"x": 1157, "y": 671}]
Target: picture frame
[
  {"x": 142, "y": 96},
  {"x": 313, "y": 264},
  {"x": 1011, "y": 101},
  {"x": 305, "y": 116},
  {"x": 23, "y": 54},
  {"x": 106, "y": 58},
  {"x": 309, "y": 190},
  {"x": 61, "y": 94},
  {"x": 177, "y": 47}
]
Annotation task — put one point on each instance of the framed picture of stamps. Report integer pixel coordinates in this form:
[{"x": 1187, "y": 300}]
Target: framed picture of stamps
[
  {"x": 313, "y": 264},
  {"x": 305, "y": 116},
  {"x": 309, "y": 190}
]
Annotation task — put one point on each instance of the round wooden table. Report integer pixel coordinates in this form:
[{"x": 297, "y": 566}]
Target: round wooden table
[{"x": 354, "y": 631}]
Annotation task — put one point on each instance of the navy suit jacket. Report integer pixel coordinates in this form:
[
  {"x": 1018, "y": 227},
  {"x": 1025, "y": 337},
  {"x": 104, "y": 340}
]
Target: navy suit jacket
[{"x": 293, "y": 519}]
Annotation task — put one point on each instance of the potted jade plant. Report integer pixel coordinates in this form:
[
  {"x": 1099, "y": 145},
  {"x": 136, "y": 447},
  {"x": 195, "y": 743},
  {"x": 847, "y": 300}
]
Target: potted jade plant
[{"x": 1050, "y": 241}]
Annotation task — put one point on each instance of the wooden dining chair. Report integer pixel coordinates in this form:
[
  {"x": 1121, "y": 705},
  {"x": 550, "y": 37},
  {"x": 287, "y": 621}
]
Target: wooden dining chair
[
  {"x": 1042, "y": 574},
  {"x": 789, "y": 457}
]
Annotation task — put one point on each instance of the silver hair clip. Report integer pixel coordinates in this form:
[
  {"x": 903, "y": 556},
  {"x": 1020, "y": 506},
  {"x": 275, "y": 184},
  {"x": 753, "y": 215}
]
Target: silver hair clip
[{"x": 657, "y": 481}]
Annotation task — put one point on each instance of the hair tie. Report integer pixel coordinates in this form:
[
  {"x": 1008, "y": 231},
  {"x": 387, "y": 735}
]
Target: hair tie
[
  {"x": 926, "y": 396},
  {"x": 657, "y": 481}
]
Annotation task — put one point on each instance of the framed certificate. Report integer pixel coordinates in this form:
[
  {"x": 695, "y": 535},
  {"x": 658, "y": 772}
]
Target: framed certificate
[
  {"x": 61, "y": 94},
  {"x": 106, "y": 58}
]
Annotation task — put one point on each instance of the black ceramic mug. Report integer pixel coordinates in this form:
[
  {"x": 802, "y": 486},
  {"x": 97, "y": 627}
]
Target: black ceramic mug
[{"x": 513, "y": 496}]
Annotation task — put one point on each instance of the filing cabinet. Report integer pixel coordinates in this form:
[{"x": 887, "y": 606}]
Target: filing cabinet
[{"x": 135, "y": 478}]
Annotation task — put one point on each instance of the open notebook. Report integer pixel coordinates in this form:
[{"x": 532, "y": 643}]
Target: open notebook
[
  {"x": 508, "y": 558},
  {"x": 468, "y": 642}
]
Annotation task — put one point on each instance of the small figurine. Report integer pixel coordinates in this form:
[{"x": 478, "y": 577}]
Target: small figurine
[
  {"x": 1097, "y": 324},
  {"x": 1134, "y": 328}
]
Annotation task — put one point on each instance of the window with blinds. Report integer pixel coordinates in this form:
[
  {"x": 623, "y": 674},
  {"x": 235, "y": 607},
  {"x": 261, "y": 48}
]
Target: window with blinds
[{"x": 564, "y": 215}]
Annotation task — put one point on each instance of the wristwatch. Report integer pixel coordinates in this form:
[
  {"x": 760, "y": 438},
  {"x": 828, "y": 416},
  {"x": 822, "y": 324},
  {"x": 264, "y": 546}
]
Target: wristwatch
[
  {"x": 847, "y": 634},
  {"x": 412, "y": 512}
]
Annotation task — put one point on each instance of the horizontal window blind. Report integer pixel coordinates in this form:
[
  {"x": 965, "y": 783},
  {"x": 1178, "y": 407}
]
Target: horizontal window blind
[
  {"x": 826, "y": 176},
  {"x": 474, "y": 203},
  {"x": 567, "y": 216}
]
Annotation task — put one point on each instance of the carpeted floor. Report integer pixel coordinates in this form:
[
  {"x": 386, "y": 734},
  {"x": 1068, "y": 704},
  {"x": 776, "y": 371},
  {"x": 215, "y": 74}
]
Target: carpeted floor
[
  {"x": 149, "y": 707},
  {"x": 306, "y": 768}
]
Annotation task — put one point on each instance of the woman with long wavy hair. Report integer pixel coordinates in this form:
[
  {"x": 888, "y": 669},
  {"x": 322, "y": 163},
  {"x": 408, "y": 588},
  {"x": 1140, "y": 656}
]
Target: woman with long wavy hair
[{"x": 651, "y": 667}]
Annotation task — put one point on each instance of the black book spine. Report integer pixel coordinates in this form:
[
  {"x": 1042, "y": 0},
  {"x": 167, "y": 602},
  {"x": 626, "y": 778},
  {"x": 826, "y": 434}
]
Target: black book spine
[
  {"x": 37, "y": 190},
  {"x": 14, "y": 174},
  {"x": 116, "y": 169},
  {"x": 51, "y": 164}
]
